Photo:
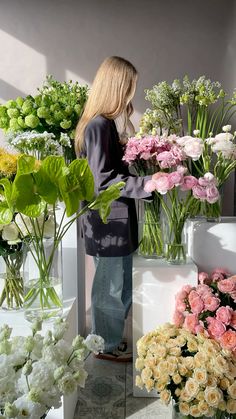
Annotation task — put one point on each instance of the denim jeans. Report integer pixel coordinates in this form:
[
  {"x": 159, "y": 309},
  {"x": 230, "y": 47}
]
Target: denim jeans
[{"x": 111, "y": 298}]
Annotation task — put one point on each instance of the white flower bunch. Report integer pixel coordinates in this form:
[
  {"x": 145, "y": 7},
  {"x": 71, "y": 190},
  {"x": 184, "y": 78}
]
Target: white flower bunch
[
  {"x": 223, "y": 144},
  {"x": 193, "y": 370},
  {"x": 40, "y": 369}
]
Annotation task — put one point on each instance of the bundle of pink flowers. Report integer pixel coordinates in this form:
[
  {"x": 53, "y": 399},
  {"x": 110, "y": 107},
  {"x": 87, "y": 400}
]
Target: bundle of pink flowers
[{"x": 209, "y": 308}]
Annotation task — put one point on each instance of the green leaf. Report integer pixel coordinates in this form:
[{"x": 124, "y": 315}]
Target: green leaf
[
  {"x": 45, "y": 188},
  {"x": 28, "y": 201},
  {"x": 25, "y": 164},
  {"x": 54, "y": 167},
  {"x": 6, "y": 214},
  {"x": 77, "y": 185},
  {"x": 103, "y": 201},
  {"x": 7, "y": 190}
]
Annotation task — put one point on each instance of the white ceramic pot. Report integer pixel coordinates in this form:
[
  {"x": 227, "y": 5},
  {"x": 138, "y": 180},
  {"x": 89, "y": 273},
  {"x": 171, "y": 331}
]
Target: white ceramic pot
[{"x": 211, "y": 244}]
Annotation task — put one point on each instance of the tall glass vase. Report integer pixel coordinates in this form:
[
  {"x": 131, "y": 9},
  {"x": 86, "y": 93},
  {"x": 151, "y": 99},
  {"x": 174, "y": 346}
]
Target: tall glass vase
[
  {"x": 150, "y": 234},
  {"x": 43, "y": 280},
  {"x": 11, "y": 280}
]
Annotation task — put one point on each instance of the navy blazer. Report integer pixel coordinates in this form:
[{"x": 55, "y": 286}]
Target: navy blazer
[{"x": 119, "y": 237}]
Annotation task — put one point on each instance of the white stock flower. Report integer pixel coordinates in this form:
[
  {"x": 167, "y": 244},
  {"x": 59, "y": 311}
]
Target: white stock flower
[{"x": 94, "y": 343}]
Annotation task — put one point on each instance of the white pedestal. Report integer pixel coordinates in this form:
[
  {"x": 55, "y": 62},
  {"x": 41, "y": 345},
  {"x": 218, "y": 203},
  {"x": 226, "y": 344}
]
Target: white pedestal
[
  {"x": 213, "y": 245},
  {"x": 155, "y": 284},
  {"x": 21, "y": 327}
]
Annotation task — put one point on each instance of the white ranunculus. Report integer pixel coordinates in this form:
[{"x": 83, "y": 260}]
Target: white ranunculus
[
  {"x": 194, "y": 148},
  {"x": 226, "y": 128},
  {"x": 224, "y": 136},
  {"x": 224, "y": 147},
  {"x": 10, "y": 233}
]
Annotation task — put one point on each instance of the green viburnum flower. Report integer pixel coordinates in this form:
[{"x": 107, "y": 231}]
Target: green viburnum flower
[{"x": 31, "y": 121}]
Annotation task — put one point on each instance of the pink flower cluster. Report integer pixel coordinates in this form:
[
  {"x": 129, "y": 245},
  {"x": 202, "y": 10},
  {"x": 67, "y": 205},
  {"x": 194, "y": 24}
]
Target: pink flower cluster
[
  {"x": 162, "y": 150},
  {"x": 203, "y": 188},
  {"x": 209, "y": 308}
]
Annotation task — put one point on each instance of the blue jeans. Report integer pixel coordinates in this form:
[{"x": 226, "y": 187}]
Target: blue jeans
[{"x": 111, "y": 298}]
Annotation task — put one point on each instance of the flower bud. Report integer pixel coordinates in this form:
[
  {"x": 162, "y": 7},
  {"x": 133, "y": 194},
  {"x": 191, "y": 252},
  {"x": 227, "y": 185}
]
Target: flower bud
[
  {"x": 36, "y": 326},
  {"x": 77, "y": 342},
  {"x": 59, "y": 372},
  {"x": 34, "y": 395},
  {"x": 29, "y": 343},
  {"x": 27, "y": 368},
  {"x": 226, "y": 128},
  {"x": 5, "y": 332},
  {"x": 10, "y": 410}
]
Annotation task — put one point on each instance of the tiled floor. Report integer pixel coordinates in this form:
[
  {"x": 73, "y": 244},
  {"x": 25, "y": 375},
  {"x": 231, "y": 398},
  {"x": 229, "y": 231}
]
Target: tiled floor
[{"x": 108, "y": 394}]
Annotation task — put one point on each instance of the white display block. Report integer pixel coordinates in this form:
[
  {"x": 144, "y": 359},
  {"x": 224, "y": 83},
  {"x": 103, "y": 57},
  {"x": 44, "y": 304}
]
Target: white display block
[
  {"x": 213, "y": 244},
  {"x": 155, "y": 283},
  {"x": 21, "y": 327}
]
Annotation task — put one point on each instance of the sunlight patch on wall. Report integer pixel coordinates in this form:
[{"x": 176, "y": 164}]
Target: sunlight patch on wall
[{"x": 21, "y": 66}]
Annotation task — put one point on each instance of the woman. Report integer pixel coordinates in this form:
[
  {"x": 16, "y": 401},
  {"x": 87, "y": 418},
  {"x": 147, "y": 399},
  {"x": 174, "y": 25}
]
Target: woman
[{"x": 111, "y": 244}]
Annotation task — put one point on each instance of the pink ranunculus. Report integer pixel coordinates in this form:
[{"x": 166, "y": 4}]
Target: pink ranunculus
[
  {"x": 178, "y": 318},
  {"x": 197, "y": 305},
  {"x": 182, "y": 169},
  {"x": 215, "y": 327},
  {"x": 176, "y": 178},
  {"x": 203, "y": 278},
  {"x": 199, "y": 192},
  {"x": 211, "y": 303},
  {"x": 228, "y": 340},
  {"x": 150, "y": 186},
  {"x": 188, "y": 183},
  {"x": 158, "y": 175},
  {"x": 224, "y": 314},
  {"x": 207, "y": 180},
  {"x": 163, "y": 184},
  {"x": 191, "y": 322},
  {"x": 212, "y": 194},
  {"x": 226, "y": 285},
  {"x": 233, "y": 320}
]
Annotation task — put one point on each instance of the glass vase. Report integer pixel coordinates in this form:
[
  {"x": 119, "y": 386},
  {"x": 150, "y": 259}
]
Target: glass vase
[
  {"x": 43, "y": 298},
  {"x": 175, "y": 248},
  {"x": 150, "y": 234},
  {"x": 11, "y": 279}
]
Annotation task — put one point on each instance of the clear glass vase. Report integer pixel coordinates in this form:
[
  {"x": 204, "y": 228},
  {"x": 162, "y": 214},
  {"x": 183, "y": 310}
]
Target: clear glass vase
[
  {"x": 150, "y": 233},
  {"x": 175, "y": 248},
  {"x": 43, "y": 297},
  {"x": 11, "y": 278}
]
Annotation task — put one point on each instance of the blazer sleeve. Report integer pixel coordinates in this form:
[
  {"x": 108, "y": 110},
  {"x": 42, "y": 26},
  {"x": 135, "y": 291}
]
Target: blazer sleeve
[{"x": 103, "y": 158}]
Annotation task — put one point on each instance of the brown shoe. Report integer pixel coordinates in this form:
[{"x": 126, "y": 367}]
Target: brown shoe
[{"x": 116, "y": 355}]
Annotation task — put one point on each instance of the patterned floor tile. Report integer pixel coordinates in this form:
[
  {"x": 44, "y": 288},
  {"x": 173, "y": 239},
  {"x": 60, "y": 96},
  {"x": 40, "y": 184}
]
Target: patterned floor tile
[
  {"x": 100, "y": 413},
  {"x": 100, "y": 367}
]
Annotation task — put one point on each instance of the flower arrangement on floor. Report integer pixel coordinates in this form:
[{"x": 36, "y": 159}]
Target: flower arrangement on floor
[
  {"x": 30, "y": 202},
  {"x": 193, "y": 371},
  {"x": 40, "y": 369},
  {"x": 210, "y": 308},
  {"x": 54, "y": 112}
]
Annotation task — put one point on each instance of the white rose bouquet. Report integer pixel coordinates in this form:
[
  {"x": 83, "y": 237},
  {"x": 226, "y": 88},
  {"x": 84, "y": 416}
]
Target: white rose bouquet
[
  {"x": 194, "y": 371},
  {"x": 40, "y": 369}
]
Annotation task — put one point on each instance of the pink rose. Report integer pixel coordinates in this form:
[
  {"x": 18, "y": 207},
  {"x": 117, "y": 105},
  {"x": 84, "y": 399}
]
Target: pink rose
[
  {"x": 221, "y": 271},
  {"x": 215, "y": 327},
  {"x": 199, "y": 192},
  {"x": 226, "y": 285},
  {"x": 178, "y": 318},
  {"x": 187, "y": 288},
  {"x": 212, "y": 194},
  {"x": 192, "y": 295},
  {"x": 201, "y": 329},
  {"x": 188, "y": 183},
  {"x": 197, "y": 305},
  {"x": 217, "y": 276},
  {"x": 224, "y": 314},
  {"x": 233, "y": 296},
  {"x": 233, "y": 320},
  {"x": 191, "y": 322},
  {"x": 204, "y": 289},
  {"x": 228, "y": 340},
  {"x": 211, "y": 303},
  {"x": 203, "y": 278},
  {"x": 180, "y": 306},
  {"x": 150, "y": 186}
]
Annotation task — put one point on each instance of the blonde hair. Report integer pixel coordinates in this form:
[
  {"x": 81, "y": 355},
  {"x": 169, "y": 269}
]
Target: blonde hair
[{"x": 110, "y": 95}]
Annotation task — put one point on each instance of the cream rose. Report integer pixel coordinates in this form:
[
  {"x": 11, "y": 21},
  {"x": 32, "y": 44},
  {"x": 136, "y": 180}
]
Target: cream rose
[{"x": 213, "y": 396}]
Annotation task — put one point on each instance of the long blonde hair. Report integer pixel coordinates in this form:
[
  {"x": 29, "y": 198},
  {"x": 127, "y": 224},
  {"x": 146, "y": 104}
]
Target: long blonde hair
[{"x": 110, "y": 95}]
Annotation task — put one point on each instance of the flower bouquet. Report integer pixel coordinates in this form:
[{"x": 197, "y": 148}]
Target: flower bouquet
[
  {"x": 30, "y": 202},
  {"x": 193, "y": 371},
  {"x": 40, "y": 369},
  {"x": 210, "y": 308},
  {"x": 56, "y": 110}
]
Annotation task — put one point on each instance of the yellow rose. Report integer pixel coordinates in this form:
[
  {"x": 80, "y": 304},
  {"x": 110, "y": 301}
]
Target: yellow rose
[
  {"x": 146, "y": 374},
  {"x": 139, "y": 381},
  {"x": 200, "y": 395},
  {"x": 200, "y": 375},
  {"x": 222, "y": 405},
  {"x": 188, "y": 362},
  {"x": 209, "y": 348},
  {"x": 159, "y": 386},
  {"x": 195, "y": 411},
  {"x": 232, "y": 369},
  {"x": 177, "y": 378},
  {"x": 192, "y": 345},
  {"x": 162, "y": 366},
  {"x": 200, "y": 359},
  {"x": 203, "y": 407},
  {"x": 184, "y": 395},
  {"x": 165, "y": 396},
  {"x": 171, "y": 343},
  {"x": 177, "y": 391},
  {"x": 220, "y": 364},
  {"x": 224, "y": 383},
  {"x": 160, "y": 351},
  {"x": 192, "y": 387},
  {"x": 231, "y": 406},
  {"x": 184, "y": 408},
  {"x": 180, "y": 341},
  {"x": 182, "y": 370},
  {"x": 213, "y": 396},
  {"x": 211, "y": 381},
  {"x": 149, "y": 384},
  {"x": 232, "y": 390},
  {"x": 176, "y": 351},
  {"x": 150, "y": 362}
]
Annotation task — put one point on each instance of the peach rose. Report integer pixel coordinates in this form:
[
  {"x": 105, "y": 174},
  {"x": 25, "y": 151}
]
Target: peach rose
[
  {"x": 211, "y": 303},
  {"x": 226, "y": 285},
  {"x": 178, "y": 318},
  {"x": 224, "y": 314},
  {"x": 191, "y": 322},
  {"x": 233, "y": 320},
  {"x": 228, "y": 340},
  {"x": 215, "y": 328},
  {"x": 197, "y": 305}
]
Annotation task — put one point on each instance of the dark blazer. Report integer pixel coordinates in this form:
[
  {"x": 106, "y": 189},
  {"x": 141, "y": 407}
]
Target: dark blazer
[{"x": 119, "y": 237}]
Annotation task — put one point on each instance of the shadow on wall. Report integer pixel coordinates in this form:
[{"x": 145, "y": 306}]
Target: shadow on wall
[
  {"x": 164, "y": 40},
  {"x": 7, "y": 90}
]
